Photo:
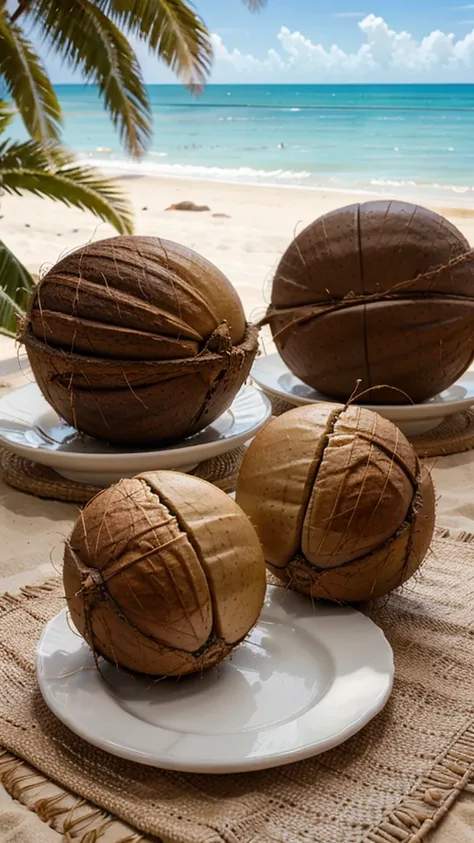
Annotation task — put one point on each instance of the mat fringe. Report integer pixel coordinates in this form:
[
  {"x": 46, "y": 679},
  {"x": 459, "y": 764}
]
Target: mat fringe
[
  {"x": 454, "y": 535},
  {"x": 76, "y": 819},
  {"x": 430, "y": 800}
]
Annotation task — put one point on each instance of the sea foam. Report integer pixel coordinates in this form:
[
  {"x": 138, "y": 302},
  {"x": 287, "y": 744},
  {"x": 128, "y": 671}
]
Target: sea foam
[{"x": 245, "y": 175}]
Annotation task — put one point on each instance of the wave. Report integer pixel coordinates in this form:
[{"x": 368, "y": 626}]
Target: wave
[
  {"x": 394, "y": 183},
  {"x": 284, "y": 178},
  {"x": 454, "y": 188},
  {"x": 194, "y": 171}
]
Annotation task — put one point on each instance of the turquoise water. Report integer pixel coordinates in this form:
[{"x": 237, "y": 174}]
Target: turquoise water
[{"x": 376, "y": 138}]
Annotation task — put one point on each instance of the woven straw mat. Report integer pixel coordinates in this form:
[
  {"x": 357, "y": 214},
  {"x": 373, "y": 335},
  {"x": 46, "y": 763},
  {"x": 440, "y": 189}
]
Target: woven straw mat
[
  {"x": 391, "y": 783},
  {"x": 44, "y": 482},
  {"x": 453, "y": 436}
]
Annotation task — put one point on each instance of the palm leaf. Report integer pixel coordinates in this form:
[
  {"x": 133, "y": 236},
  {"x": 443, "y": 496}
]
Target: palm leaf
[
  {"x": 49, "y": 170},
  {"x": 255, "y": 5},
  {"x": 27, "y": 82},
  {"x": 32, "y": 155},
  {"x": 6, "y": 116},
  {"x": 172, "y": 29},
  {"x": 79, "y": 187},
  {"x": 90, "y": 42},
  {"x": 16, "y": 284}
]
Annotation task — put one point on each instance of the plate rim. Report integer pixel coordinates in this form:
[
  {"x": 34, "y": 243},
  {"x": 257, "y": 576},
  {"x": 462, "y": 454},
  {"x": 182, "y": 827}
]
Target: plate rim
[
  {"x": 100, "y": 462},
  {"x": 398, "y": 412},
  {"x": 253, "y": 763}
]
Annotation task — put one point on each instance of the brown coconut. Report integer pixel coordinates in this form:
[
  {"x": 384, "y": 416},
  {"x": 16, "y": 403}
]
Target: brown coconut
[
  {"x": 340, "y": 502},
  {"x": 137, "y": 340},
  {"x": 381, "y": 292},
  {"x": 163, "y": 574}
]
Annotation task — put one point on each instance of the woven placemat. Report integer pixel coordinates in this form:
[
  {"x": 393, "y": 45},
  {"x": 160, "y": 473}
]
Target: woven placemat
[
  {"x": 453, "y": 436},
  {"x": 42, "y": 481},
  {"x": 391, "y": 783}
]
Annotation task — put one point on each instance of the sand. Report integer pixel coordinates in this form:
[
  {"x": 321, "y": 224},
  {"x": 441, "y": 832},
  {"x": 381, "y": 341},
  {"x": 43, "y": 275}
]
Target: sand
[{"x": 246, "y": 246}]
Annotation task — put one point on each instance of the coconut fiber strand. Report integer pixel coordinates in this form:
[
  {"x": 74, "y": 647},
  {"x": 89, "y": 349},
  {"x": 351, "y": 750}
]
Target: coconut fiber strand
[{"x": 391, "y": 783}]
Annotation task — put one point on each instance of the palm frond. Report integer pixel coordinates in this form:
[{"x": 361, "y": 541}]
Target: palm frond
[
  {"x": 16, "y": 284},
  {"x": 32, "y": 155},
  {"x": 255, "y": 5},
  {"x": 89, "y": 41},
  {"x": 6, "y": 116},
  {"x": 171, "y": 29},
  {"x": 76, "y": 186},
  {"x": 27, "y": 83}
]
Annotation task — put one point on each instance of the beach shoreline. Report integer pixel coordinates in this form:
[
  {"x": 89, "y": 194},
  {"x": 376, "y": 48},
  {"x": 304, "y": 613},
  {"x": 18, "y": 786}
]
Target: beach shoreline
[
  {"x": 432, "y": 195},
  {"x": 245, "y": 232}
]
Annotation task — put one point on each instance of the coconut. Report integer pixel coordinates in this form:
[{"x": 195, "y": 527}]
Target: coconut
[
  {"x": 137, "y": 340},
  {"x": 381, "y": 293},
  {"x": 163, "y": 574},
  {"x": 340, "y": 502}
]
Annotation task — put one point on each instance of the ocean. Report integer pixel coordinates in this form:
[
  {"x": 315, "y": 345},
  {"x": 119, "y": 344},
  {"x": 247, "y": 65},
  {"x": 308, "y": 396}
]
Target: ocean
[{"x": 387, "y": 139}]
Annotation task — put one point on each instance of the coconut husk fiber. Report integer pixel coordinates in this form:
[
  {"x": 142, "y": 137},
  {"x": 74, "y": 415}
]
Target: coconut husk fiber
[
  {"x": 163, "y": 574},
  {"x": 340, "y": 502},
  {"x": 392, "y": 783},
  {"x": 382, "y": 293},
  {"x": 137, "y": 340}
]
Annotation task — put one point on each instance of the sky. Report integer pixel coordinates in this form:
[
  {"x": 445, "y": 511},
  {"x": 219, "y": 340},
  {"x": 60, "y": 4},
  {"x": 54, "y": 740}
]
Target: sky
[{"x": 324, "y": 41}]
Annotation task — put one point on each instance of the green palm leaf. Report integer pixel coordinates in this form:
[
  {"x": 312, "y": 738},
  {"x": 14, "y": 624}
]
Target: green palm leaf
[
  {"x": 16, "y": 284},
  {"x": 49, "y": 170},
  {"x": 90, "y": 41},
  {"x": 27, "y": 82},
  {"x": 172, "y": 29},
  {"x": 32, "y": 155},
  {"x": 77, "y": 187},
  {"x": 6, "y": 116}
]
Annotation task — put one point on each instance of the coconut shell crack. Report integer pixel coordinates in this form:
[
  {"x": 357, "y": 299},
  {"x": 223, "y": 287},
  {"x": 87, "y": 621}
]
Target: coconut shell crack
[
  {"x": 163, "y": 574},
  {"x": 341, "y": 504}
]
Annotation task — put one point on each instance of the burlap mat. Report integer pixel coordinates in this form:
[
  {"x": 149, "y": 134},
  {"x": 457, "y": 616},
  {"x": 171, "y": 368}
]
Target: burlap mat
[
  {"x": 43, "y": 482},
  {"x": 453, "y": 436},
  {"x": 392, "y": 783}
]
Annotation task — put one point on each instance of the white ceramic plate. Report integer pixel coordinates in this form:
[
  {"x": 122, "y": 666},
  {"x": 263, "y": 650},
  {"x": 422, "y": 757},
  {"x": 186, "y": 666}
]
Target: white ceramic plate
[
  {"x": 30, "y": 427},
  {"x": 307, "y": 678},
  {"x": 273, "y": 377}
]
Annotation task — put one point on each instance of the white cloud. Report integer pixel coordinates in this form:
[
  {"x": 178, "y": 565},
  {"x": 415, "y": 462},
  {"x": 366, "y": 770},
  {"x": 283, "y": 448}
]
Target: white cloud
[
  {"x": 242, "y": 62},
  {"x": 383, "y": 53}
]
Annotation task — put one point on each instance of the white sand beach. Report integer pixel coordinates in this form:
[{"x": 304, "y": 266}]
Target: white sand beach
[{"x": 246, "y": 244}]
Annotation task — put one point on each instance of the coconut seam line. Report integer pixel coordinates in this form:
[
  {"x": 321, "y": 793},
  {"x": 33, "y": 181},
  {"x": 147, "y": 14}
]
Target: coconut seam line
[
  {"x": 301, "y": 573},
  {"x": 409, "y": 518},
  {"x": 142, "y": 330},
  {"x": 353, "y": 299},
  {"x": 93, "y": 591}
]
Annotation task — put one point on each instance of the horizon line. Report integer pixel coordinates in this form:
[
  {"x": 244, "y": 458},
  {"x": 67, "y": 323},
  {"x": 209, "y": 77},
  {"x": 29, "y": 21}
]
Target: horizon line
[{"x": 271, "y": 84}]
